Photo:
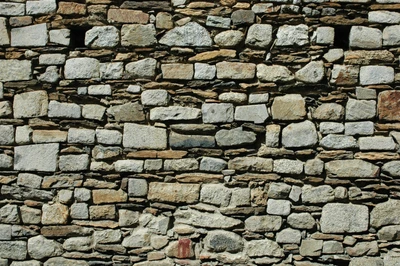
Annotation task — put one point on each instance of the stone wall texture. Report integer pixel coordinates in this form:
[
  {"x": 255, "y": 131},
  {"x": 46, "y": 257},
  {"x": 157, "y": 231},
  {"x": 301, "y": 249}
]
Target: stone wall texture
[{"x": 221, "y": 132}]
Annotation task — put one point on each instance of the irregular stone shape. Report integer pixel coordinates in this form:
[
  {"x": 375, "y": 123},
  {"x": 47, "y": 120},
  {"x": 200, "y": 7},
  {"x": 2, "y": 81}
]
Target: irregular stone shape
[
  {"x": 177, "y": 71},
  {"x": 278, "y": 190},
  {"x": 185, "y": 164},
  {"x": 274, "y": 73},
  {"x": 311, "y": 248},
  {"x": 74, "y": 163},
  {"x": 204, "y": 71},
  {"x": 54, "y": 214},
  {"x": 93, "y": 111},
  {"x": 384, "y": 17},
  {"x": 338, "y": 142},
  {"x": 57, "y": 261},
  {"x": 333, "y": 55},
  {"x": 389, "y": 105},
  {"x": 182, "y": 249},
  {"x": 351, "y": 169},
  {"x": 325, "y": 35},
  {"x": 360, "y": 110},
  {"x": 256, "y": 113},
  {"x": 240, "y": 17},
  {"x": 190, "y": 34},
  {"x": 386, "y": 213},
  {"x": 217, "y": 112},
  {"x": 213, "y": 55},
  {"x": 391, "y": 232},
  {"x": 377, "y": 143},
  {"x": 234, "y": 137},
  {"x": 6, "y": 161},
  {"x": 221, "y": 241},
  {"x": 138, "y": 35},
  {"x": 288, "y": 236},
  {"x": 272, "y": 135},
  {"x": 288, "y": 107},
  {"x": 370, "y": 75},
  {"x": 27, "y": 159},
  {"x": 256, "y": 164},
  {"x": 60, "y": 37},
  {"x": 363, "y": 248},
  {"x": 145, "y": 68},
  {"x": 332, "y": 247},
  {"x": 82, "y": 68},
  {"x": 391, "y": 35},
  {"x": 229, "y": 38},
  {"x": 344, "y": 218},
  {"x": 29, "y": 36},
  {"x": 314, "y": 167},
  {"x": 66, "y": 110},
  {"x": 128, "y": 112},
  {"x": 190, "y": 141},
  {"x": 313, "y": 72},
  {"x": 259, "y": 36},
  {"x": 263, "y": 223},
  {"x": 174, "y": 113},
  {"x": 127, "y": 16},
  {"x": 15, "y": 70},
  {"x": 137, "y": 187},
  {"x": 206, "y": 220},
  {"x": 135, "y": 166},
  {"x": 39, "y": 247},
  {"x": 278, "y": 207},
  {"x": 9, "y": 214},
  {"x": 109, "y": 196},
  {"x": 265, "y": 247},
  {"x": 315, "y": 195},
  {"x": 218, "y": 22},
  {"x": 155, "y": 98},
  {"x": 15, "y": 250},
  {"x": 296, "y": 135},
  {"x": 258, "y": 98},
  {"x": 345, "y": 75},
  {"x": 12, "y": 9},
  {"x": 5, "y": 109},
  {"x": 372, "y": 261},
  {"x": 216, "y": 194},
  {"x": 4, "y": 38},
  {"x": 365, "y": 37},
  {"x": 392, "y": 168},
  {"x": 107, "y": 236},
  {"x": 359, "y": 128},
  {"x": 209, "y": 164},
  {"x": 112, "y": 70},
  {"x": 301, "y": 220},
  {"x": 174, "y": 192},
  {"x": 144, "y": 137},
  {"x": 78, "y": 244},
  {"x": 163, "y": 20},
  {"x": 329, "y": 111},
  {"x": 292, "y": 35},
  {"x": 102, "y": 37},
  {"x": 235, "y": 71},
  {"x": 286, "y": 166}
]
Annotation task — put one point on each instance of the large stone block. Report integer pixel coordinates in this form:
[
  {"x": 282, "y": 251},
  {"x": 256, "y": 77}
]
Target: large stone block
[
  {"x": 15, "y": 250},
  {"x": 41, "y": 7},
  {"x": 259, "y": 36},
  {"x": 370, "y": 75},
  {"x": 15, "y": 70},
  {"x": 274, "y": 73},
  {"x": 344, "y": 218},
  {"x": 174, "y": 192},
  {"x": 190, "y": 34},
  {"x": 217, "y": 112},
  {"x": 26, "y": 157},
  {"x": 389, "y": 105},
  {"x": 82, "y": 68},
  {"x": 292, "y": 35},
  {"x": 138, "y": 35},
  {"x": 144, "y": 137},
  {"x": 365, "y": 38},
  {"x": 391, "y": 35},
  {"x": 145, "y": 68},
  {"x": 4, "y": 38},
  {"x": 360, "y": 110},
  {"x": 237, "y": 71},
  {"x": 12, "y": 9},
  {"x": 351, "y": 169},
  {"x": 296, "y": 135},
  {"x": 234, "y": 137},
  {"x": 256, "y": 113},
  {"x": 386, "y": 213},
  {"x": 173, "y": 113},
  {"x": 289, "y": 107},
  {"x": 177, "y": 71},
  {"x": 29, "y": 36},
  {"x": 102, "y": 37}
]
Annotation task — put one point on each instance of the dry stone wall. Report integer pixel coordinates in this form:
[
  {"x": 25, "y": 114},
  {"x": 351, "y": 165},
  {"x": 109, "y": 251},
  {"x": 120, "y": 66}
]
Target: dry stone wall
[{"x": 192, "y": 133}]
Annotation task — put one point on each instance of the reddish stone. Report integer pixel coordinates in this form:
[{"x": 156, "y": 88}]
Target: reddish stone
[
  {"x": 184, "y": 248},
  {"x": 389, "y": 105},
  {"x": 70, "y": 8}
]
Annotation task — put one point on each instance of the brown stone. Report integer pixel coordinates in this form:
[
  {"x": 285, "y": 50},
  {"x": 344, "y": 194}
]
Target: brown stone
[
  {"x": 199, "y": 177},
  {"x": 182, "y": 249},
  {"x": 20, "y": 21},
  {"x": 376, "y": 156},
  {"x": 54, "y": 214},
  {"x": 213, "y": 55},
  {"x": 109, "y": 196},
  {"x": 174, "y": 192},
  {"x": 65, "y": 231},
  {"x": 335, "y": 155},
  {"x": 71, "y": 8},
  {"x": 102, "y": 212},
  {"x": 142, "y": 154},
  {"x": 171, "y": 154},
  {"x": 389, "y": 105},
  {"x": 385, "y": 7},
  {"x": 60, "y": 181},
  {"x": 342, "y": 20},
  {"x": 257, "y": 177},
  {"x": 127, "y": 16},
  {"x": 177, "y": 71},
  {"x": 366, "y": 57},
  {"x": 101, "y": 224},
  {"x": 345, "y": 75},
  {"x": 152, "y": 5},
  {"x": 5, "y": 180}
]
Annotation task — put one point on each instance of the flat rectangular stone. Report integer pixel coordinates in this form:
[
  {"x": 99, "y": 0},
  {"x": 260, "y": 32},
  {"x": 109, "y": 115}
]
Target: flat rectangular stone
[
  {"x": 48, "y": 136},
  {"x": 12, "y": 9},
  {"x": 144, "y": 137},
  {"x": 29, "y": 36},
  {"x": 351, "y": 169},
  {"x": 15, "y": 70},
  {"x": 127, "y": 16},
  {"x": 27, "y": 159},
  {"x": 236, "y": 71},
  {"x": 377, "y": 143},
  {"x": 177, "y": 71},
  {"x": 109, "y": 196},
  {"x": 174, "y": 192},
  {"x": 190, "y": 141},
  {"x": 62, "y": 181}
]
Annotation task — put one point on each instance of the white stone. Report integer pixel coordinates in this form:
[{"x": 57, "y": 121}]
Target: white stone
[
  {"x": 6, "y": 161},
  {"x": 391, "y": 36},
  {"x": 144, "y": 137},
  {"x": 286, "y": 166},
  {"x": 29, "y": 36},
  {"x": 259, "y": 35},
  {"x": 6, "y": 134},
  {"x": 82, "y": 68},
  {"x": 344, "y": 218},
  {"x": 384, "y": 17},
  {"x": 15, "y": 70},
  {"x": 135, "y": 89},
  {"x": 93, "y": 111},
  {"x": 4, "y": 37},
  {"x": 64, "y": 110},
  {"x": 229, "y": 38},
  {"x": 135, "y": 166},
  {"x": 73, "y": 163},
  {"x": 23, "y": 135},
  {"x": 256, "y": 113},
  {"x": 360, "y": 109},
  {"x": 61, "y": 36},
  {"x": 370, "y": 75},
  {"x": 364, "y": 37},
  {"x": 278, "y": 207},
  {"x": 99, "y": 90},
  {"x": 52, "y": 59},
  {"x": 377, "y": 143},
  {"x": 333, "y": 55},
  {"x": 296, "y": 135},
  {"x": 40, "y": 247},
  {"x": 41, "y": 7},
  {"x": 339, "y": 142},
  {"x": 156, "y": 97},
  {"x": 204, "y": 71},
  {"x": 217, "y": 112},
  {"x": 112, "y": 70},
  {"x": 145, "y": 68},
  {"x": 313, "y": 72},
  {"x": 27, "y": 159},
  {"x": 255, "y": 98},
  {"x": 325, "y": 35},
  {"x": 81, "y": 135},
  {"x": 274, "y": 73},
  {"x": 30, "y": 104},
  {"x": 359, "y": 128},
  {"x": 102, "y": 37},
  {"x": 108, "y": 137},
  {"x": 289, "y": 35},
  {"x": 331, "y": 128},
  {"x": 173, "y": 113},
  {"x": 12, "y": 9},
  {"x": 190, "y": 34}
]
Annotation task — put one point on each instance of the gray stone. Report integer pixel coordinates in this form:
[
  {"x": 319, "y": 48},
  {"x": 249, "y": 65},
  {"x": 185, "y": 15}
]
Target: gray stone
[
  {"x": 138, "y": 35},
  {"x": 261, "y": 8},
  {"x": 145, "y": 68},
  {"x": 5, "y": 232},
  {"x": 325, "y": 35},
  {"x": 108, "y": 137},
  {"x": 6, "y": 135},
  {"x": 39, "y": 247},
  {"x": 144, "y": 137},
  {"x": 370, "y": 75},
  {"x": 128, "y": 218},
  {"x": 338, "y": 142},
  {"x": 135, "y": 166},
  {"x": 209, "y": 164},
  {"x": 52, "y": 59},
  {"x": 263, "y": 223},
  {"x": 391, "y": 232},
  {"x": 333, "y": 55},
  {"x": 78, "y": 244},
  {"x": 128, "y": 112},
  {"x": 153, "y": 164},
  {"x": 218, "y": 22},
  {"x": 265, "y": 247},
  {"x": 392, "y": 168},
  {"x": 15, "y": 250},
  {"x": 295, "y": 193},
  {"x": 365, "y": 37},
  {"x": 155, "y": 98},
  {"x": 344, "y": 75},
  {"x": 82, "y": 68},
  {"x": 278, "y": 190},
  {"x": 360, "y": 109},
  {"x": 30, "y": 215},
  {"x": 203, "y": 219},
  {"x": 81, "y": 135},
  {"x": 135, "y": 89},
  {"x": 12, "y": 9},
  {"x": 351, "y": 169},
  {"x": 286, "y": 166},
  {"x": 332, "y": 247},
  {"x": 9, "y": 214},
  {"x": 190, "y": 141},
  {"x": 384, "y": 17},
  {"x": 359, "y": 128},
  {"x": 5, "y": 109},
  {"x": 256, "y": 113},
  {"x": 79, "y": 211},
  {"x": 240, "y": 197},
  {"x": 363, "y": 248},
  {"x": 6, "y": 161},
  {"x": 278, "y": 207},
  {"x": 64, "y": 110},
  {"x": 241, "y": 16},
  {"x": 234, "y": 137},
  {"x": 272, "y": 135},
  {"x": 82, "y": 194},
  {"x": 102, "y": 37},
  {"x": 258, "y": 98},
  {"x": 386, "y": 213},
  {"x": 57, "y": 261},
  {"x": 93, "y": 111},
  {"x": 314, "y": 167},
  {"x": 256, "y": 164},
  {"x": 15, "y": 70},
  {"x": 274, "y": 73},
  {"x": 221, "y": 241},
  {"x": 313, "y": 72},
  {"x": 316, "y": 195},
  {"x": 377, "y": 143},
  {"x": 112, "y": 70},
  {"x": 186, "y": 164},
  {"x": 204, "y": 71},
  {"x": 190, "y": 34},
  {"x": 107, "y": 236},
  {"x": 41, "y": 7},
  {"x": 26, "y": 158},
  {"x": 29, "y": 36},
  {"x": 259, "y": 36},
  {"x": 172, "y": 192},
  {"x": 99, "y": 90},
  {"x": 173, "y": 113},
  {"x": 73, "y": 163},
  {"x": 61, "y": 37},
  {"x": 217, "y": 112},
  {"x": 311, "y": 248},
  {"x": 390, "y": 259},
  {"x": 344, "y": 218},
  {"x": 288, "y": 236},
  {"x": 229, "y": 38},
  {"x": 301, "y": 220},
  {"x": 296, "y": 135},
  {"x": 391, "y": 36},
  {"x": 288, "y": 107},
  {"x": 370, "y": 261},
  {"x": 24, "y": 263},
  {"x": 365, "y": 93},
  {"x": 4, "y": 38},
  {"x": 51, "y": 75},
  {"x": 292, "y": 35},
  {"x": 137, "y": 187}
]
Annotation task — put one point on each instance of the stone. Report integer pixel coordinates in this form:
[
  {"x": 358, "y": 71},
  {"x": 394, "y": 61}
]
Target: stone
[
  {"x": 365, "y": 93},
  {"x": 278, "y": 207},
  {"x": 292, "y": 35},
  {"x": 15, "y": 70},
  {"x": 229, "y": 38},
  {"x": 370, "y": 75},
  {"x": 367, "y": 57},
  {"x": 41, "y": 7},
  {"x": 54, "y": 214},
  {"x": 9, "y": 214},
  {"x": 363, "y": 248},
  {"x": 82, "y": 68},
  {"x": 135, "y": 166},
  {"x": 107, "y": 236},
  {"x": 155, "y": 98},
  {"x": 377, "y": 143},
  {"x": 240, "y": 197},
  {"x": 29, "y": 180},
  {"x": 359, "y": 128},
  {"x": 333, "y": 55},
  {"x": 274, "y": 73},
  {"x": 209, "y": 164},
  {"x": 256, "y": 164},
  {"x": 73, "y": 163},
  {"x": 301, "y": 220},
  {"x": 6, "y": 161},
  {"x": 259, "y": 36},
  {"x": 68, "y": 8},
  {"x": 5, "y": 109},
  {"x": 218, "y": 22},
  {"x": 204, "y": 71},
  {"x": 261, "y": 8},
  {"x": 297, "y": 135},
  {"x": 15, "y": 250},
  {"x": 263, "y": 223},
  {"x": 39, "y": 247},
  {"x": 190, "y": 34},
  {"x": 102, "y": 212},
  {"x": 51, "y": 75},
  {"x": 145, "y": 68},
  {"x": 373, "y": 261},
  {"x": 255, "y": 98},
  {"x": 186, "y": 164},
  {"x": 329, "y": 111},
  {"x": 332, "y": 247},
  {"x": 128, "y": 112},
  {"x": 265, "y": 247},
  {"x": 178, "y": 193},
  {"x": 311, "y": 248},
  {"x": 5, "y": 232},
  {"x": 325, "y": 35},
  {"x": 12, "y": 9},
  {"x": 360, "y": 109},
  {"x": 177, "y": 71},
  {"x": 109, "y": 196},
  {"x": 344, "y": 75},
  {"x": 4, "y": 37},
  {"x": 112, "y": 70},
  {"x": 385, "y": 213},
  {"x": 6, "y": 135},
  {"x": 365, "y": 37},
  {"x": 204, "y": 219},
  {"x": 286, "y": 166},
  {"x": 253, "y": 113},
  {"x": 344, "y": 218},
  {"x": 391, "y": 35},
  {"x": 288, "y": 107},
  {"x": 93, "y": 111},
  {"x": 137, "y": 187},
  {"x": 240, "y": 17},
  {"x": 288, "y": 236},
  {"x": 153, "y": 164},
  {"x": 64, "y": 110},
  {"x": 391, "y": 232},
  {"x": 127, "y": 16},
  {"x": 278, "y": 190},
  {"x": 182, "y": 249},
  {"x": 178, "y": 141},
  {"x": 384, "y": 17},
  {"x": 29, "y": 36},
  {"x": 78, "y": 244},
  {"x": 338, "y": 142},
  {"x": 313, "y": 72},
  {"x": 61, "y": 37},
  {"x": 102, "y": 37},
  {"x": 26, "y": 158},
  {"x": 144, "y": 137},
  {"x": 272, "y": 135},
  {"x": 392, "y": 168},
  {"x": 173, "y": 113},
  {"x": 215, "y": 194},
  {"x": 56, "y": 261},
  {"x": 164, "y": 20},
  {"x": 388, "y": 105},
  {"x": 317, "y": 195},
  {"x": 99, "y": 90},
  {"x": 81, "y": 135},
  {"x": 217, "y": 112},
  {"x": 108, "y": 137},
  {"x": 314, "y": 167},
  {"x": 234, "y": 137},
  {"x": 128, "y": 218},
  {"x": 351, "y": 169},
  {"x": 235, "y": 71},
  {"x": 138, "y": 35},
  {"x": 223, "y": 241}
]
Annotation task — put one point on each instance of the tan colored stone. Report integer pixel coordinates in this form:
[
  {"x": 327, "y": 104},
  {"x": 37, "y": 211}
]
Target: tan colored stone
[
  {"x": 366, "y": 57},
  {"x": 174, "y": 192},
  {"x": 213, "y": 55},
  {"x": 236, "y": 71},
  {"x": 177, "y": 71},
  {"x": 71, "y": 8},
  {"x": 65, "y": 231},
  {"x": 199, "y": 177},
  {"x": 102, "y": 212},
  {"x": 54, "y": 214},
  {"x": 376, "y": 156},
  {"x": 46, "y": 136},
  {"x": 127, "y": 16},
  {"x": 109, "y": 196},
  {"x": 289, "y": 107}
]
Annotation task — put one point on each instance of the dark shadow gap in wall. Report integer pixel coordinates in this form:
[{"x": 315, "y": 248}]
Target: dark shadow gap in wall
[{"x": 342, "y": 37}]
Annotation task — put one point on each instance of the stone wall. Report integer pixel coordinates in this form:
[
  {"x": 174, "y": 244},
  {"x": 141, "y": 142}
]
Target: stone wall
[{"x": 207, "y": 133}]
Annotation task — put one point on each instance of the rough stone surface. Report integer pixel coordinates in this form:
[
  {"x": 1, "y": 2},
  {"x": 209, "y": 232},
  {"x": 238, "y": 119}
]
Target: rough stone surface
[
  {"x": 173, "y": 192},
  {"x": 191, "y": 34},
  {"x": 82, "y": 68},
  {"x": 102, "y": 37},
  {"x": 351, "y": 169},
  {"x": 145, "y": 68},
  {"x": 376, "y": 75},
  {"x": 239, "y": 71},
  {"x": 26, "y": 158},
  {"x": 358, "y": 37},
  {"x": 29, "y": 36},
  {"x": 313, "y": 72},
  {"x": 274, "y": 73},
  {"x": 288, "y": 107},
  {"x": 259, "y": 36},
  {"x": 234, "y": 137},
  {"x": 144, "y": 137},
  {"x": 15, "y": 70},
  {"x": 360, "y": 110},
  {"x": 174, "y": 113},
  {"x": 288, "y": 35},
  {"x": 340, "y": 218},
  {"x": 138, "y": 35},
  {"x": 301, "y": 134}
]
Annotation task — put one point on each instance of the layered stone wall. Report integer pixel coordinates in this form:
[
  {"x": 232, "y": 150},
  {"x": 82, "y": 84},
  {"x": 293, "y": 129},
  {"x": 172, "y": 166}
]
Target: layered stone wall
[{"x": 210, "y": 133}]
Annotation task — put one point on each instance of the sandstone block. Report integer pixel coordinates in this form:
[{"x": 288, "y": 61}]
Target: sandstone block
[
  {"x": 127, "y": 16},
  {"x": 138, "y": 35},
  {"x": 351, "y": 169},
  {"x": 109, "y": 196},
  {"x": 345, "y": 75},
  {"x": 54, "y": 214},
  {"x": 174, "y": 192},
  {"x": 236, "y": 71},
  {"x": 229, "y": 38},
  {"x": 288, "y": 107},
  {"x": 177, "y": 71},
  {"x": 128, "y": 112}
]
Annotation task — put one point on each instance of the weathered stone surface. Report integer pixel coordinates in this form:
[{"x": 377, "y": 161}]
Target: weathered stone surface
[
  {"x": 256, "y": 164},
  {"x": 177, "y": 71},
  {"x": 265, "y": 247},
  {"x": 288, "y": 107},
  {"x": 256, "y": 113},
  {"x": 373, "y": 261},
  {"x": 363, "y": 248},
  {"x": 359, "y": 128},
  {"x": 234, "y": 137},
  {"x": 389, "y": 105},
  {"x": 259, "y": 36},
  {"x": 190, "y": 141},
  {"x": 185, "y": 164},
  {"x": 386, "y": 17},
  {"x": 177, "y": 193},
  {"x": 26, "y": 158},
  {"x": 81, "y": 135},
  {"x": 344, "y": 218},
  {"x": 9, "y": 214},
  {"x": 292, "y": 35},
  {"x": 54, "y": 214},
  {"x": 229, "y": 38},
  {"x": 218, "y": 22},
  {"x": 376, "y": 75},
  {"x": 204, "y": 71},
  {"x": 313, "y": 72},
  {"x": 127, "y": 16},
  {"x": 138, "y": 35},
  {"x": 365, "y": 37},
  {"x": 129, "y": 112},
  {"x": 360, "y": 110},
  {"x": 240, "y": 17},
  {"x": 385, "y": 213},
  {"x": 29, "y": 36},
  {"x": 209, "y": 164},
  {"x": 173, "y": 113},
  {"x": 82, "y": 68},
  {"x": 315, "y": 195},
  {"x": 221, "y": 241},
  {"x": 391, "y": 36},
  {"x": 137, "y": 187},
  {"x": 377, "y": 143},
  {"x": 301, "y": 220},
  {"x": 135, "y": 166},
  {"x": 278, "y": 207},
  {"x": 207, "y": 220},
  {"x": 296, "y": 135},
  {"x": 66, "y": 110},
  {"x": 345, "y": 75},
  {"x": 145, "y": 68},
  {"x": 311, "y": 247},
  {"x": 286, "y": 166},
  {"x": 56, "y": 261},
  {"x": 392, "y": 168},
  {"x": 274, "y": 73},
  {"x": 73, "y": 163},
  {"x": 215, "y": 194},
  {"x": 12, "y": 9},
  {"x": 163, "y": 20},
  {"x": 263, "y": 223},
  {"x": 191, "y": 34},
  {"x": 338, "y": 142},
  {"x": 39, "y": 247},
  {"x": 325, "y": 35},
  {"x": 351, "y": 169},
  {"x": 15, "y": 70},
  {"x": 144, "y": 137},
  {"x": 288, "y": 236},
  {"x": 15, "y": 250},
  {"x": 5, "y": 39},
  {"x": 155, "y": 98},
  {"x": 102, "y": 37},
  {"x": 108, "y": 196},
  {"x": 217, "y": 112},
  {"x": 236, "y": 71},
  {"x": 329, "y": 111}
]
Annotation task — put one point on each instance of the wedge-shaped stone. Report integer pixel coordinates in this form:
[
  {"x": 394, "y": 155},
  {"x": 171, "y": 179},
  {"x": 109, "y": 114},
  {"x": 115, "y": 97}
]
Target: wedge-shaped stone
[
  {"x": 386, "y": 213},
  {"x": 265, "y": 247},
  {"x": 255, "y": 164},
  {"x": 234, "y": 137},
  {"x": 296, "y": 135},
  {"x": 30, "y": 36},
  {"x": 351, "y": 169},
  {"x": 313, "y": 72},
  {"x": 138, "y": 35},
  {"x": 364, "y": 37},
  {"x": 236, "y": 71},
  {"x": 191, "y": 34},
  {"x": 173, "y": 192},
  {"x": 144, "y": 137},
  {"x": 204, "y": 219},
  {"x": 4, "y": 38},
  {"x": 344, "y": 218},
  {"x": 27, "y": 159},
  {"x": 15, "y": 70},
  {"x": 173, "y": 113}
]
